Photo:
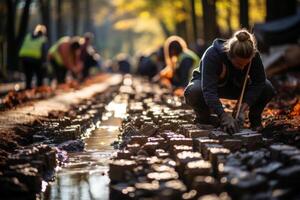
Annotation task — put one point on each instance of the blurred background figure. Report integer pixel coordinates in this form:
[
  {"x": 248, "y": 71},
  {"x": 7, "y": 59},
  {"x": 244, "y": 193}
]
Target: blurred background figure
[
  {"x": 33, "y": 55},
  {"x": 65, "y": 55},
  {"x": 123, "y": 64},
  {"x": 147, "y": 65},
  {"x": 180, "y": 62},
  {"x": 89, "y": 55},
  {"x": 152, "y": 64},
  {"x": 199, "y": 47}
]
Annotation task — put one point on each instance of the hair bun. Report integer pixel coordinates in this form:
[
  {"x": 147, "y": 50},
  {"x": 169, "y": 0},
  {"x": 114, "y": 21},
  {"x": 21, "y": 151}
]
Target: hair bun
[{"x": 242, "y": 36}]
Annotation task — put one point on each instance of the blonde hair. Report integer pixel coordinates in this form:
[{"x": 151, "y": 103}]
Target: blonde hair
[
  {"x": 40, "y": 30},
  {"x": 171, "y": 40},
  {"x": 242, "y": 44}
]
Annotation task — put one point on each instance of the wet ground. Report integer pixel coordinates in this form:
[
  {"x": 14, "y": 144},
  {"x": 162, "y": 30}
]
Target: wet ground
[{"x": 85, "y": 175}]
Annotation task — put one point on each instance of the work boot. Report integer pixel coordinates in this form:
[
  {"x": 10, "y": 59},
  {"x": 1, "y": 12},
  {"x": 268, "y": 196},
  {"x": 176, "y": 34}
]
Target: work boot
[{"x": 256, "y": 125}]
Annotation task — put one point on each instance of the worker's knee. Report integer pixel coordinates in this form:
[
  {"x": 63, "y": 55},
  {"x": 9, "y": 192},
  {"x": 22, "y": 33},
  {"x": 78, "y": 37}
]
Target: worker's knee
[
  {"x": 193, "y": 93},
  {"x": 268, "y": 91}
]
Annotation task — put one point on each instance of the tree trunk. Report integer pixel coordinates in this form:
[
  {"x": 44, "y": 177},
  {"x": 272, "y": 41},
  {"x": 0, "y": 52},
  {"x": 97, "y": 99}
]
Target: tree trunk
[
  {"x": 87, "y": 20},
  {"x": 15, "y": 41},
  {"x": 23, "y": 24},
  {"x": 59, "y": 27},
  {"x": 181, "y": 28},
  {"x": 244, "y": 14},
  {"x": 209, "y": 20},
  {"x": 229, "y": 16},
  {"x": 165, "y": 29},
  {"x": 10, "y": 29},
  {"x": 194, "y": 20},
  {"x": 277, "y": 9},
  {"x": 46, "y": 18},
  {"x": 75, "y": 6}
]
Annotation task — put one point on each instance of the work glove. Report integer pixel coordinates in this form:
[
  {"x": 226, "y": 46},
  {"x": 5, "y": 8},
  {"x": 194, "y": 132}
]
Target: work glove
[
  {"x": 242, "y": 115},
  {"x": 229, "y": 124},
  {"x": 241, "y": 119}
]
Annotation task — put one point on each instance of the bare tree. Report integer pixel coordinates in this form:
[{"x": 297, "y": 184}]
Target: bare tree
[
  {"x": 87, "y": 16},
  {"x": 277, "y": 9},
  {"x": 194, "y": 20},
  {"x": 15, "y": 40},
  {"x": 76, "y": 13},
  {"x": 59, "y": 23},
  {"x": 244, "y": 14},
  {"x": 209, "y": 20},
  {"x": 229, "y": 17},
  {"x": 46, "y": 16}
]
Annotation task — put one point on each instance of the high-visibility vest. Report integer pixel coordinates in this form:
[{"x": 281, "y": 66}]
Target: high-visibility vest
[
  {"x": 53, "y": 51},
  {"x": 190, "y": 54},
  {"x": 32, "y": 47}
]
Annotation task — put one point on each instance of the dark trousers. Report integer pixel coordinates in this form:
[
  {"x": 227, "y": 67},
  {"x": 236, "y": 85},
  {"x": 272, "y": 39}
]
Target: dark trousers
[
  {"x": 60, "y": 71},
  {"x": 32, "y": 67},
  {"x": 194, "y": 97}
]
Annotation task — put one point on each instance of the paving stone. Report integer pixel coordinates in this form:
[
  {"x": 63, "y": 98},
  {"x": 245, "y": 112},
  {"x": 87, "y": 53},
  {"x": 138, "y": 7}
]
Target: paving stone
[
  {"x": 286, "y": 155},
  {"x": 183, "y": 158},
  {"x": 294, "y": 160},
  {"x": 206, "y": 185},
  {"x": 180, "y": 148},
  {"x": 181, "y": 141},
  {"x": 219, "y": 135},
  {"x": 12, "y": 188},
  {"x": 240, "y": 186},
  {"x": 172, "y": 189},
  {"x": 27, "y": 175},
  {"x": 161, "y": 142},
  {"x": 150, "y": 147},
  {"x": 124, "y": 154},
  {"x": 232, "y": 144},
  {"x": 162, "y": 176},
  {"x": 184, "y": 127},
  {"x": 205, "y": 149},
  {"x": 118, "y": 169},
  {"x": 252, "y": 141},
  {"x": 133, "y": 148},
  {"x": 138, "y": 139},
  {"x": 194, "y": 133},
  {"x": 289, "y": 177},
  {"x": 196, "y": 168},
  {"x": 200, "y": 142},
  {"x": 277, "y": 148},
  {"x": 122, "y": 191},
  {"x": 217, "y": 156},
  {"x": 269, "y": 170}
]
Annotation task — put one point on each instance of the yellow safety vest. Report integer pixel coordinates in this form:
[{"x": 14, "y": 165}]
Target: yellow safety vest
[
  {"x": 190, "y": 54},
  {"x": 32, "y": 47},
  {"x": 53, "y": 51}
]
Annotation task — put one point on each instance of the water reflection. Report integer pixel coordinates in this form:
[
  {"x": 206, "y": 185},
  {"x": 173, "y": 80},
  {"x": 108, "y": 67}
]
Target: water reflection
[{"x": 85, "y": 176}]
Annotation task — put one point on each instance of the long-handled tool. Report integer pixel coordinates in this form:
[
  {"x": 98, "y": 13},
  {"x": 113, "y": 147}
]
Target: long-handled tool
[{"x": 239, "y": 103}]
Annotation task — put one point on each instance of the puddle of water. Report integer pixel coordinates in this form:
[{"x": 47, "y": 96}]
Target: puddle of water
[{"x": 86, "y": 174}]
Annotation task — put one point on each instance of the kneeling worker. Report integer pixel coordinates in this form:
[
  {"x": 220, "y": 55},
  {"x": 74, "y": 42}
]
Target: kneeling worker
[{"x": 221, "y": 74}]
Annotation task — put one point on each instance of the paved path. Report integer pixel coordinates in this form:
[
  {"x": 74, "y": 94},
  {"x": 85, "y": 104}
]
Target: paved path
[{"x": 29, "y": 112}]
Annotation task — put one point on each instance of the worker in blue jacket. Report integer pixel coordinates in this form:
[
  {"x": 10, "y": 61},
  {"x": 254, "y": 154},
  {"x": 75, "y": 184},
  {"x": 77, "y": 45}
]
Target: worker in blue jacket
[{"x": 221, "y": 74}]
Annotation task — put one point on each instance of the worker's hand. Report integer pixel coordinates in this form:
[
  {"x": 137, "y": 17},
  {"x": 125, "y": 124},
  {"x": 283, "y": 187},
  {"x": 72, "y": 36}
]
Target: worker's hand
[
  {"x": 241, "y": 119},
  {"x": 166, "y": 82},
  {"x": 228, "y": 123},
  {"x": 167, "y": 72},
  {"x": 242, "y": 114},
  {"x": 179, "y": 91}
]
